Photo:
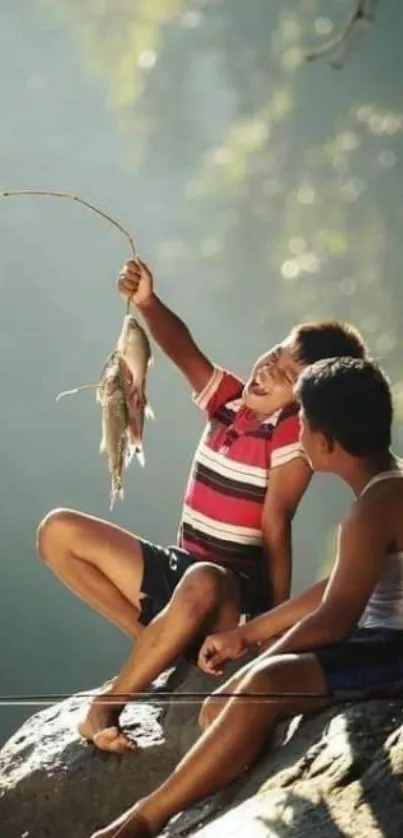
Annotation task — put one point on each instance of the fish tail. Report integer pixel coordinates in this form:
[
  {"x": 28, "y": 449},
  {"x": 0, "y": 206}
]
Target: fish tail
[
  {"x": 117, "y": 492},
  {"x": 114, "y": 495}
]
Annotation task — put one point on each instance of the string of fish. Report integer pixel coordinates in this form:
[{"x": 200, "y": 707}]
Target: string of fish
[{"x": 121, "y": 388}]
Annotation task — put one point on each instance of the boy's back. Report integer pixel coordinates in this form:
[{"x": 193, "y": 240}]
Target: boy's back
[{"x": 380, "y": 507}]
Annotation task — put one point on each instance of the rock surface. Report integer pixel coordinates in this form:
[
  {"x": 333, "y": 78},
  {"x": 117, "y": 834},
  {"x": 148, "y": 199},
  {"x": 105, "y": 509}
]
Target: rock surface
[{"x": 337, "y": 774}]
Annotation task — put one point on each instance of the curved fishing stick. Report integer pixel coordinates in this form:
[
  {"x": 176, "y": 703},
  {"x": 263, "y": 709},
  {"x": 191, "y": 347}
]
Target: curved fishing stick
[
  {"x": 16, "y": 193},
  {"x": 13, "y": 193}
]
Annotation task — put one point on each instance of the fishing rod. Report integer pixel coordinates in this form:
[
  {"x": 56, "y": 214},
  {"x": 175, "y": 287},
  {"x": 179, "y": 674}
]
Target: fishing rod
[
  {"x": 13, "y": 193},
  {"x": 16, "y": 193},
  {"x": 166, "y": 697}
]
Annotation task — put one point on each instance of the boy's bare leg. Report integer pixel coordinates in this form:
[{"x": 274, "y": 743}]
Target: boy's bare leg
[
  {"x": 230, "y": 745},
  {"x": 216, "y": 702},
  {"x": 206, "y": 599},
  {"x": 100, "y": 562}
]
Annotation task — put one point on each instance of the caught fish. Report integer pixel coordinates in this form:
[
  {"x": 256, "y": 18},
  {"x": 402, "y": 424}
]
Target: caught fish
[
  {"x": 134, "y": 349},
  {"x": 121, "y": 394},
  {"x": 115, "y": 440}
]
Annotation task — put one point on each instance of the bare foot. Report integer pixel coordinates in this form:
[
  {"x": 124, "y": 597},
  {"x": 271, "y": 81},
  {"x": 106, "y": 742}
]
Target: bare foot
[
  {"x": 129, "y": 825},
  {"x": 100, "y": 726},
  {"x": 114, "y": 740}
]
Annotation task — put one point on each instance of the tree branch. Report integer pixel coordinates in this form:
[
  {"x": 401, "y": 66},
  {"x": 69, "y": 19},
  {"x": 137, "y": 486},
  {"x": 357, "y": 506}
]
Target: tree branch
[{"x": 364, "y": 11}]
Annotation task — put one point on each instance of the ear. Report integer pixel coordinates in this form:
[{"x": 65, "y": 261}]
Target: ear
[{"x": 327, "y": 443}]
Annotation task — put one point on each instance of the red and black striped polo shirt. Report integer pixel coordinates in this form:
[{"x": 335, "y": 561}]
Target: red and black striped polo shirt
[{"x": 223, "y": 503}]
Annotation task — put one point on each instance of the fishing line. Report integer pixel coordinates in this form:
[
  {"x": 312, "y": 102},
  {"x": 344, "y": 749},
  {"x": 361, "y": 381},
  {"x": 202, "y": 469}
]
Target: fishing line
[{"x": 45, "y": 699}]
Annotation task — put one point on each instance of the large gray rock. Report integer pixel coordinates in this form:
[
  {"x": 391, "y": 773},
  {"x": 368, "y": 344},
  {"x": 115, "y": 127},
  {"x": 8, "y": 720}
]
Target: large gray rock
[
  {"x": 335, "y": 775},
  {"x": 52, "y": 783},
  {"x": 338, "y": 775}
]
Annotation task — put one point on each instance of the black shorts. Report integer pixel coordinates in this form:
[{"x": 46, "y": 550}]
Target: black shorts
[
  {"x": 366, "y": 659},
  {"x": 163, "y": 570}
]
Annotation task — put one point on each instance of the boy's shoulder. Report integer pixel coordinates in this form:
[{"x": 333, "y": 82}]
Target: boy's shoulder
[
  {"x": 380, "y": 492},
  {"x": 373, "y": 508},
  {"x": 285, "y": 439}
]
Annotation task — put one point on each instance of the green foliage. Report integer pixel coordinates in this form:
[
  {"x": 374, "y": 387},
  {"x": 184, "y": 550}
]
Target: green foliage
[{"x": 272, "y": 170}]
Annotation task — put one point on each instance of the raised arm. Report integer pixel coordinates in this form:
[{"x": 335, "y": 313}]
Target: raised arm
[{"x": 136, "y": 283}]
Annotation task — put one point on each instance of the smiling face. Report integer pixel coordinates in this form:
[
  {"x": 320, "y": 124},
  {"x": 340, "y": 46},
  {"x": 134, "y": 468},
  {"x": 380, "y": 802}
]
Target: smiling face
[{"x": 270, "y": 384}]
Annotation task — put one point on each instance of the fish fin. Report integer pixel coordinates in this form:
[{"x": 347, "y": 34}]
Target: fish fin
[
  {"x": 130, "y": 451},
  {"x": 148, "y": 412},
  {"x": 151, "y": 361},
  {"x": 135, "y": 449},
  {"x": 103, "y": 444},
  {"x": 108, "y": 360},
  {"x": 76, "y": 390},
  {"x": 139, "y": 452}
]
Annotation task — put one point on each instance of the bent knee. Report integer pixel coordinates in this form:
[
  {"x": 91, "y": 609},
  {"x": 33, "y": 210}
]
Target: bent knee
[
  {"x": 202, "y": 589},
  {"x": 277, "y": 675},
  {"x": 54, "y": 529}
]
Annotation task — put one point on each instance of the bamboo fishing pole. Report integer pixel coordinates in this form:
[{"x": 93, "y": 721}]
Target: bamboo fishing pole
[{"x": 17, "y": 193}]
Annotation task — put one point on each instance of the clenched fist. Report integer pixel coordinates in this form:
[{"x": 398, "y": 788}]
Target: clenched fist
[
  {"x": 220, "y": 648},
  {"x": 136, "y": 282}
]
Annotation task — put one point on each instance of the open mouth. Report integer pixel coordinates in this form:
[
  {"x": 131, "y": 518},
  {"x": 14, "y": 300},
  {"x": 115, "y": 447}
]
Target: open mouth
[{"x": 256, "y": 388}]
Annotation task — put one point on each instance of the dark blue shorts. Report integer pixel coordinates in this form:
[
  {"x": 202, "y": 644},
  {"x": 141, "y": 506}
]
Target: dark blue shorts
[
  {"x": 164, "y": 568},
  {"x": 366, "y": 659}
]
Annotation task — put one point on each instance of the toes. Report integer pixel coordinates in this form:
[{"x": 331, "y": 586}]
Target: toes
[{"x": 112, "y": 739}]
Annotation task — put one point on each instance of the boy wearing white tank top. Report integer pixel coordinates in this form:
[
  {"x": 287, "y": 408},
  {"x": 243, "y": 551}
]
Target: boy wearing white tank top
[
  {"x": 344, "y": 634},
  {"x": 353, "y": 620}
]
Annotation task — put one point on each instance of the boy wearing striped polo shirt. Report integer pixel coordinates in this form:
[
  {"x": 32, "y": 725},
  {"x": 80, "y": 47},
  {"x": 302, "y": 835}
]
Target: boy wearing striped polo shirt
[{"x": 233, "y": 551}]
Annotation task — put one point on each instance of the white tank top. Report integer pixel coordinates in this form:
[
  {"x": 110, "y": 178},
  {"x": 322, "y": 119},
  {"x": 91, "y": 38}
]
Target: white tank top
[{"x": 385, "y": 607}]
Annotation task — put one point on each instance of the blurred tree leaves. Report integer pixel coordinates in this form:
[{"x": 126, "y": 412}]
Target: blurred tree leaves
[{"x": 289, "y": 194}]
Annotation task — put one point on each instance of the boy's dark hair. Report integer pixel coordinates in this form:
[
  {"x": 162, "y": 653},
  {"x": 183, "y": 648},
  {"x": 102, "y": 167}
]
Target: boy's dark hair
[
  {"x": 327, "y": 339},
  {"x": 349, "y": 400}
]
